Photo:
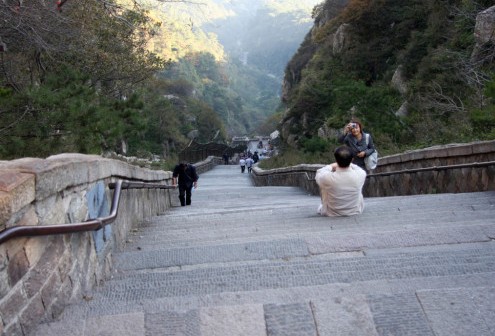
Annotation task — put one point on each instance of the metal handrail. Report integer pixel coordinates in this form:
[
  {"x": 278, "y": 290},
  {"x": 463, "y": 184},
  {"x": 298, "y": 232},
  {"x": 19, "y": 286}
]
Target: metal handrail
[{"x": 89, "y": 225}]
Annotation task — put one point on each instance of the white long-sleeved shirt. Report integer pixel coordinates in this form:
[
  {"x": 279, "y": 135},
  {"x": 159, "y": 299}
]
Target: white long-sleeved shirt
[{"x": 341, "y": 190}]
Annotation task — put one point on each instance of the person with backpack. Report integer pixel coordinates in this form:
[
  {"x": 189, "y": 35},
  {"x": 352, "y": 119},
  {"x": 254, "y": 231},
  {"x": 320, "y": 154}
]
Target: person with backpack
[
  {"x": 360, "y": 143},
  {"x": 185, "y": 177}
]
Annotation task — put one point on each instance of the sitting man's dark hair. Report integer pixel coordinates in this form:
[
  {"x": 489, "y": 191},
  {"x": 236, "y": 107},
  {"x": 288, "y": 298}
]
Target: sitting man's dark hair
[{"x": 343, "y": 156}]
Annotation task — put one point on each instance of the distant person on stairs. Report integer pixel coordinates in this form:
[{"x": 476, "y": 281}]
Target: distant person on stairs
[
  {"x": 249, "y": 164},
  {"x": 187, "y": 178},
  {"x": 242, "y": 163},
  {"x": 341, "y": 185}
]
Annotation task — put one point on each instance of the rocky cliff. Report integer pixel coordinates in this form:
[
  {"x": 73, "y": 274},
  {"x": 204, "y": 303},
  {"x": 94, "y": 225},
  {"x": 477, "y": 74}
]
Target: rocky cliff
[{"x": 422, "y": 70}]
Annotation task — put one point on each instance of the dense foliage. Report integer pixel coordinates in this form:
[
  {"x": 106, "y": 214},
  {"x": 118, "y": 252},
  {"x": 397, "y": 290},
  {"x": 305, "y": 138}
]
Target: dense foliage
[
  {"x": 69, "y": 76},
  {"x": 449, "y": 90},
  {"x": 133, "y": 77}
]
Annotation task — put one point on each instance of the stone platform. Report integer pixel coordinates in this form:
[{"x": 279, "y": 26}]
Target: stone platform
[{"x": 245, "y": 260}]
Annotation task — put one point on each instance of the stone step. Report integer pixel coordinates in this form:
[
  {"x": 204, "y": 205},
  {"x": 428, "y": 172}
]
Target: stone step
[
  {"x": 328, "y": 242},
  {"x": 242, "y": 224},
  {"x": 158, "y": 255},
  {"x": 229, "y": 233},
  {"x": 246, "y": 276}
]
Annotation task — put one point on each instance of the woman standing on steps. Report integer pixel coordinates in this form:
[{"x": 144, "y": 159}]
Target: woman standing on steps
[{"x": 354, "y": 137}]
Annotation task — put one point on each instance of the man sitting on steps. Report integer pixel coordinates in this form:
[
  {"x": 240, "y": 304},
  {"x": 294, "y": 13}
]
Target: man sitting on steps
[{"x": 341, "y": 185}]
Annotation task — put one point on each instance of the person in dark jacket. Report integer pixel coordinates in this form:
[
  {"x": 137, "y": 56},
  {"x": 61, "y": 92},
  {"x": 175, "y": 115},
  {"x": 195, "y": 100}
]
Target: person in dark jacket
[
  {"x": 185, "y": 176},
  {"x": 256, "y": 157}
]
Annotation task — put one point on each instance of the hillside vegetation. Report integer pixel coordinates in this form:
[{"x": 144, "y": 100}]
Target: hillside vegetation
[
  {"x": 138, "y": 77},
  {"x": 411, "y": 71}
]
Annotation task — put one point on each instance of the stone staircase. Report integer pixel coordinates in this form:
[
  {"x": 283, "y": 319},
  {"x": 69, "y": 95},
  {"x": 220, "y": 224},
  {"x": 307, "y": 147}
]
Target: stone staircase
[{"x": 259, "y": 261}]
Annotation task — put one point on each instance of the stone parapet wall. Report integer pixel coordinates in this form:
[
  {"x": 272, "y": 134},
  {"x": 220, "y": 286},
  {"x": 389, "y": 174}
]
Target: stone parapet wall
[
  {"x": 444, "y": 155},
  {"x": 441, "y": 169},
  {"x": 445, "y": 179},
  {"x": 40, "y": 275},
  {"x": 209, "y": 163},
  {"x": 302, "y": 176}
]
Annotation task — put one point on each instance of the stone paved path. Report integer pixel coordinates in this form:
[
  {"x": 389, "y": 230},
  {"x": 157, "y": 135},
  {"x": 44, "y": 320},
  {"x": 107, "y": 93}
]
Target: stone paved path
[{"x": 259, "y": 261}]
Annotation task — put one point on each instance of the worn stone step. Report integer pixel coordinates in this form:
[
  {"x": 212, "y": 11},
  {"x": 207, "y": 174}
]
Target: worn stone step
[
  {"x": 156, "y": 256},
  {"x": 330, "y": 242},
  {"x": 245, "y": 276}
]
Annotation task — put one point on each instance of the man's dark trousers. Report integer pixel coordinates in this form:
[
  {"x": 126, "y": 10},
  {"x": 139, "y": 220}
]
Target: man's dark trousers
[{"x": 185, "y": 195}]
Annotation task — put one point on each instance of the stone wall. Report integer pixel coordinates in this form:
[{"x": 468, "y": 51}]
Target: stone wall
[
  {"x": 445, "y": 155},
  {"x": 40, "y": 275},
  {"x": 441, "y": 169}
]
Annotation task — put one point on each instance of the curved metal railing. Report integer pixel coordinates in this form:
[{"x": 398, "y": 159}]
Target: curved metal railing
[{"x": 89, "y": 225}]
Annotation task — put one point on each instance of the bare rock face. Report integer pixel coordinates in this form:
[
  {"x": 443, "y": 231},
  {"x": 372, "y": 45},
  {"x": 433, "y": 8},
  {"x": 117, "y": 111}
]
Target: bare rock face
[
  {"x": 340, "y": 38},
  {"x": 403, "y": 110},
  {"x": 399, "y": 81},
  {"x": 330, "y": 9},
  {"x": 325, "y": 132},
  {"x": 484, "y": 34},
  {"x": 484, "y": 30}
]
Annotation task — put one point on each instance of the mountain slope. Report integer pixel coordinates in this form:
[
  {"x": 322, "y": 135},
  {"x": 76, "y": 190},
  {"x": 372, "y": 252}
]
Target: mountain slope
[
  {"x": 251, "y": 42},
  {"x": 410, "y": 72}
]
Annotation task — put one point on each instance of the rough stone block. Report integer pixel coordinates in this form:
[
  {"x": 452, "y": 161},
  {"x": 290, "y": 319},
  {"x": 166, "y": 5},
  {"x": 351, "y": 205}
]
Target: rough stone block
[
  {"x": 465, "y": 150},
  {"x": 4, "y": 279},
  {"x": 26, "y": 217},
  {"x": 65, "y": 265},
  {"x": 18, "y": 266},
  {"x": 46, "y": 265},
  {"x": 116, "y": 325},
  {"x": 31, "y": 316},
  {"x": 344, "y": 316},
  {"x": 62, "y": 171},
  {"x": 16, "y": 191},
  {"x": 50, "y": 289},
  {"x": 51, "y": 211},
  {"x": 233, "y": 321},
  {"x": 12, "y": 304},
  {"x": 456, "y": 312},
  {"x": 64, "y": 295},
  {"x": 35, "y": 247},
  {"x": 289, "y": 320},
  {"x": 5, "y": 209},
  {"x": 24, "y": 164},
  {"x": 19, "y": 186},
  {"x": 406, "y": 157},
  {"x": 13, "y": 329},
  {"x": 438, "y": 152},
  {"x": 391, "y": 159},
  {"x": 74, "y": 328},
  {"x": 78, "y": 209},
  {"x": 484, "y": 147}
]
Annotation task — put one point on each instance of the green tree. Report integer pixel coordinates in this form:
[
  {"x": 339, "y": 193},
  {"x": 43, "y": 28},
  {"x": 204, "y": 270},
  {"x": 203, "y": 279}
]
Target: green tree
[{"x": 72, "y": 74}]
